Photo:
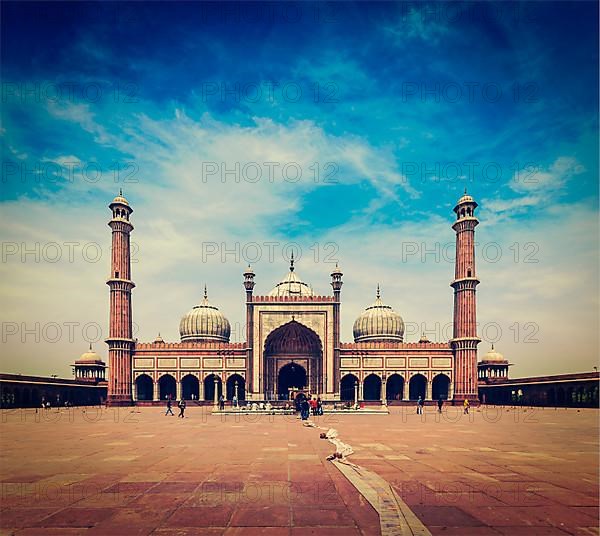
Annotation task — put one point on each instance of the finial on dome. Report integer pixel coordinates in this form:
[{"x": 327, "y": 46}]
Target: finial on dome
[
  {"x": 378, "y": 292},
  {"x": 205, "y": 292},
  {"x": 120, "y": 191},
  {"x": 465, "y": 190},
  {"x": 492, "y": 347},
  {"x": 90, "y": 346},
  {"x": 292, "y": 262}
]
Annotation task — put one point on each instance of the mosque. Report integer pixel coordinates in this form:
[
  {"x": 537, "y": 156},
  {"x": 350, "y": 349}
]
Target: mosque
[{"x": 293, "y": 341}]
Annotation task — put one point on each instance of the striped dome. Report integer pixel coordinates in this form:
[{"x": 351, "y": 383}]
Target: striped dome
[
  {"x": 379, "y": 322},
  {"x": 204, "y": 323}
]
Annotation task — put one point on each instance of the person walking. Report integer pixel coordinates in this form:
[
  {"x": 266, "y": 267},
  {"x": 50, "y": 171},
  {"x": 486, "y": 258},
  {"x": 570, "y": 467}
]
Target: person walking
[
  {"x": 181, "y": 408},
  {"x": 466, "y": 406},
  {"x": 169, "y": 408},
  {"x": 304, "y": 409},
  {"x": 420, "y": 404},
  {"x": 234, "y": 401},
  {"x": 221, "y": 403},
  {"x": 319, "y": 406},
  {"x": 313, "y": 406},
  {"x": 440, "y": 404}
]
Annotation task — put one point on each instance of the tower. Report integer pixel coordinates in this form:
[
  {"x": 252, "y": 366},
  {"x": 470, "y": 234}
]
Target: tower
[
  {"x": 120, "y": 341},
  {"x": 249, "y": 286},
  {"x": 465, "y": 340},
  {"x": 336, "y": 284}
]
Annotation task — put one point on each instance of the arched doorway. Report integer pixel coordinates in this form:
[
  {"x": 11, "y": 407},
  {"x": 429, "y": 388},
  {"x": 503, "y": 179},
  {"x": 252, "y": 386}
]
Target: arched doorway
[
  {"x": 347, "y": 387},
  {"x": 292, "y": 344},
  {"x": 440, "y": 387},
  {"x": 394, "y": 387},
  {"x": 417, "y": 386},
  {"x": 372, "y": 387},
  {"x": 209, "y": 387},
  {"x": 241, "y": 387},
  {"x": 290, "y": 376},
  {"x": 144, "y": 387},
  {"x": 167, "y": 387},
  {"x": 190, "y": 387}
]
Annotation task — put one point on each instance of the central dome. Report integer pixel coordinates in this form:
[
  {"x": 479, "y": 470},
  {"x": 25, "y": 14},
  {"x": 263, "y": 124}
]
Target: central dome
[
  {"x": 292, "y": 285},
  {"x": 379, "y": 322},
  {"x": 204, "y": 323}
]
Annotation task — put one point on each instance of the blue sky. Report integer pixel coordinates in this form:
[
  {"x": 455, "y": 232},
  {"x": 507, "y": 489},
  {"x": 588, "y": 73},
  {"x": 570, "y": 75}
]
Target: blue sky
[{"x": 462, "y": 91}]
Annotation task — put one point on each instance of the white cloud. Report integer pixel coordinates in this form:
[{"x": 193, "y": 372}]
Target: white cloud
[{"x": 176, "y": 212}]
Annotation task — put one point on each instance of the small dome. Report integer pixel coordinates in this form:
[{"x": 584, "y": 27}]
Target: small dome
[
  {"x": 493, "y": 357},
  {"x": 159, "y": 340},
  {"x": 337, "y": 270},
  {"x": 292, "y": 285},
  {"x": 466, "y": 198},
  {"x": 89, "y": 357},
  {"x": 204, "y": 323},
  {"x": 379, "y": 322},
  {"x": 120, "y": 200}
]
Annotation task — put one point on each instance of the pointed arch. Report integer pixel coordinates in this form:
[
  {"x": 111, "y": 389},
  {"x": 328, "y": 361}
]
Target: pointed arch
[
  {"x": 347, "y": 387},
  {"x": 372, "y": 387},
  {"x": 394, "y": 387},
  {"x": 417, "y": 386},
  {"x": 144, "y": 387}
]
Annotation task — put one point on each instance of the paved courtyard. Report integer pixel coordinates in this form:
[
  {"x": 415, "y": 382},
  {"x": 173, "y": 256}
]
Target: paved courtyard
[{"x": 498, "y": 471}]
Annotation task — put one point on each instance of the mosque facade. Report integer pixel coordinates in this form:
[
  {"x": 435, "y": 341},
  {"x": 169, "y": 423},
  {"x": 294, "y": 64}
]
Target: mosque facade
[{"x": 293, "y": 340}]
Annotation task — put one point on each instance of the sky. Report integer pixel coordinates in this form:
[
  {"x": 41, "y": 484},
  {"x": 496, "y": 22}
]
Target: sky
[{"x": 344, "y": 132}]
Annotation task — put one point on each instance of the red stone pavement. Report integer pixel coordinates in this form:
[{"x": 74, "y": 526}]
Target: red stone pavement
[{"x": 118, "y": 471}]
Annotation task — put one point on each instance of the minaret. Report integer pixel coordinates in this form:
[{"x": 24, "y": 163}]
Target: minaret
[
  {"x": 249, "y": 286},
  {"x": 465, "y": 338},
  {"x": 336, "y": 284},
  {"x": 120, "y": 341}
]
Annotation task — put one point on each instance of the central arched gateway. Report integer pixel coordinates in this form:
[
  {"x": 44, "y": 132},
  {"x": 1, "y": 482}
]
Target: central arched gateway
[
  {"x": 291, "y": 376},
  {"x": 293, "y": 358}
]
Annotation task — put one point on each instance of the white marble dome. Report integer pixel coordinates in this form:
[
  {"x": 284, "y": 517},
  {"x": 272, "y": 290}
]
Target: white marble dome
[
  {"x": 493, "y": 357},
  {"x": 291, "y": 285},
  {"x": 204, "y": 323},
  {"x": 89, "y": 357},
  {"x": 379, "y": 322}
]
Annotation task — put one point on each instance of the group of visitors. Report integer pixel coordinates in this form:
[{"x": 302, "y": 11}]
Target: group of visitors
[
  {"x": 311, "y": 405},
  {"x": 181, "y": 405}
]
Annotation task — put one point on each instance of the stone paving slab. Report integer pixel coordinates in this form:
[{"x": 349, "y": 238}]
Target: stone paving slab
[{"x": 496, "y": 471}]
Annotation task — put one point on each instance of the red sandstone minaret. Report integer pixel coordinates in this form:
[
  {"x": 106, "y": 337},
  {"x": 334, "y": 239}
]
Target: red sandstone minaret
[
  {"x": 465, "y": 338},
  {"x": 249, "y": 286},
  {"x": 120, "y": 341},
  {"x": 336, "y": 284}
]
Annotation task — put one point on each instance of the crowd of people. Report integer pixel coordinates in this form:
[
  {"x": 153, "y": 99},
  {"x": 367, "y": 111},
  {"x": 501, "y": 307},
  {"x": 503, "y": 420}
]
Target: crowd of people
[{"x": 305, "y": 405}]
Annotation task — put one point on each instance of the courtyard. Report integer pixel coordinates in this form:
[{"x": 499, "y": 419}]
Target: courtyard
[{"x": 133, "y": 471}]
